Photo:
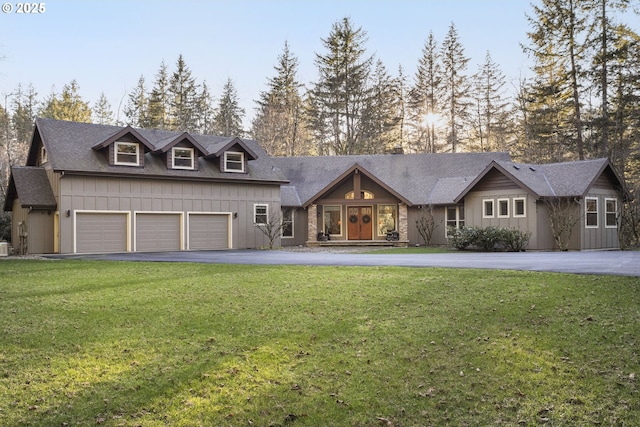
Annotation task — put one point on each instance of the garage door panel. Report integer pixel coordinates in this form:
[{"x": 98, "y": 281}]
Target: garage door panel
[
  {"x": 158, "y": 232},
  {"x": 208, "y": 231},
  {"x": 101, "y": 232}
]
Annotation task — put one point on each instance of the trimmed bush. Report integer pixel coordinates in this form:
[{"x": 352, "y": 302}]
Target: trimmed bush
[{"x": 489, "y": 239}]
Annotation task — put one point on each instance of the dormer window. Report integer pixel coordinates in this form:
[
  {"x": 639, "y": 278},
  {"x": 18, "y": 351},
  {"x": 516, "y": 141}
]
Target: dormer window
[
  {"x": 127, "y": 153},
  {"x": 183, "y": 158},
  {"x": 233, "y": 161}
]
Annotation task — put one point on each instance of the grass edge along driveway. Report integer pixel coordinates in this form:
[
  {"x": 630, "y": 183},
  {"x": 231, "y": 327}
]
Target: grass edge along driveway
[{"x": 118, "y": 343}]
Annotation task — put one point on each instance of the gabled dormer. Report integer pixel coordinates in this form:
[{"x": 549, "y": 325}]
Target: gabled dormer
[
  {"x": 234, "y": 156},
  {"x": 182, "y": 152},
  {"x": 127, "y": 147}
]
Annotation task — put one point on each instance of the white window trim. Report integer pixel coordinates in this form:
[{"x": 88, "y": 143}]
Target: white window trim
[
  {"x": 255, "y": 213},
  {"x": 226, "y": 160},
  {"x": 173, "y": 158},
  {"x": 115, "y": 154},
  {"x": 458, "y": 220},
  {"x": 524, "y": 207},
  {"x": 606, "y": 213},
  {"x": 498, "y": 205},
  {"x": 493, "y": 208},
  {"x": 586, "y": 213}
]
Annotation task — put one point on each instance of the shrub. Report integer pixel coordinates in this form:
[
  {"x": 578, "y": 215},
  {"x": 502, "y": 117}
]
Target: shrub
[
  {"x": 489, "y": 238},
  {"x": 515, "y": 240}
]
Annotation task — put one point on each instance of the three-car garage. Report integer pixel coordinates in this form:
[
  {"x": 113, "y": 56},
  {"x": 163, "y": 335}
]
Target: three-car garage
[{"x": 143, "y": 231}]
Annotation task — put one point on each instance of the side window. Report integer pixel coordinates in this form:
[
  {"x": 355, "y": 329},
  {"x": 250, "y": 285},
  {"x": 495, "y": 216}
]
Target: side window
[
  {"x": 611, "y": 213},
  {"x": 487, "y": 208},
  {"x": 260, "y": 214},
  {"x": 591, "y": 212},
  {"x": 287, "y": 222}
]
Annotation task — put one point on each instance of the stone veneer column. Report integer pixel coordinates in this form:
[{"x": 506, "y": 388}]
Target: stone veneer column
[
  {"x": 312, "y": 224},
  {"x": 403, "y": 222}
]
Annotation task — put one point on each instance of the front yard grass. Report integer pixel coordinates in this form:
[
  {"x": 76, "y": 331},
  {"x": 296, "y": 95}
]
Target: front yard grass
[{"x": 156, "y": 344}]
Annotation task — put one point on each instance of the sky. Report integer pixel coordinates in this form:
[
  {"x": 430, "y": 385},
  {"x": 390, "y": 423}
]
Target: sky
[{"x": 107, "y": 45}]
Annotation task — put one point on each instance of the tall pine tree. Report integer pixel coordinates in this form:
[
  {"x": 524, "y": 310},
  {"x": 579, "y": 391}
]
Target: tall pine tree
[
  {"x": 456, "y": 87},
  {"x": 278, "y": 123},
  {"x": 229, "y": 115},
  {"x": 341, "y": 94}
]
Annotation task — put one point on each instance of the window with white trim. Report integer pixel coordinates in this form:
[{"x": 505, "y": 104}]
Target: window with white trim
[
  {"x": 591, "y": 212},
  {"x": 519, "y": 207},
  {"x": 611, "y": 213},
  {"x": 260, "y": 214},
  {"x": 455, "y": 219},
  {"x": 233, "y": 161},
  {"x": 127, "y": 153},
  {"x": 287, "y": 222},
  {"x": 183, "y": 158},
  {"x": 503, "y": 208},
  {"x": 487, "y": 208}
]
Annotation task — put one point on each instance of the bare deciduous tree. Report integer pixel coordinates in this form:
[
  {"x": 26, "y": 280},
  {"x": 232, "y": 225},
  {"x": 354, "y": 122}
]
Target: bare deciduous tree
[{"x": 564, "y": 214}]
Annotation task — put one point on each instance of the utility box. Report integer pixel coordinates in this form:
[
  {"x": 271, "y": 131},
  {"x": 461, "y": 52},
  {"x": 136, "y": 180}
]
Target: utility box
[{"x": 4, "y": 249}]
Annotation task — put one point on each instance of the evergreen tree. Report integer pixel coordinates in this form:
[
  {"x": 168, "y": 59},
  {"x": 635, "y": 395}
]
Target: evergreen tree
[
  {"x": 490, "y": 112},
  {"x": 381, "y": 117},
  {"x": 68, "y": 105},
  {"x": 158, "y": 116},
  {"x": 24, "y": 115},
  {"x": 229, "y": 115},
  {"x": 557, "y": 36},
  {"x": 183, "y": 98},
  {"x": 456, "y": 86},
  {"x": 424, "y": 106},
  {"x": 204, "y": 111},
  {"x": 137, "y": 108},
  {"x": 102, "y": 113},
  {"x": 341, "y": 93},
  {"x": 277, "y": 124}
]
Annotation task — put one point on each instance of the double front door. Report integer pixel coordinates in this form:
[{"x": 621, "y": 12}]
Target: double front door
[{"x": 360, "y": 219}]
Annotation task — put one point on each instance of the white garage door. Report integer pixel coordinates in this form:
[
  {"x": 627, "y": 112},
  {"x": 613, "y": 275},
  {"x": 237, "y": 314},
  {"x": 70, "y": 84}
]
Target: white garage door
[
  {"x": 208, "y": 231},
  {"x": 101, "y": 232},
  {"x": 158, "y": 232}
]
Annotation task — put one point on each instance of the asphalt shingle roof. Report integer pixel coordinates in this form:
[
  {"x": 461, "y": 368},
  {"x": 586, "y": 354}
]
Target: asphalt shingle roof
[
  {"x": 70, "y": 148},
  {"x": 32, "y": 187},
  {"x": 419, "y": 178}
]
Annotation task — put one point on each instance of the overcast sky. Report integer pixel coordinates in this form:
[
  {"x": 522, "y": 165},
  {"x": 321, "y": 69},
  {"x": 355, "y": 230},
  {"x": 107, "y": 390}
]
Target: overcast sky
[{"x": 107, "y": 45}]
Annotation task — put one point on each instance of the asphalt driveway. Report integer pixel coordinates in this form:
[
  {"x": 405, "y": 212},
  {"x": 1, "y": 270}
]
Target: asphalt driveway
[{"x": 624, "y": 263}]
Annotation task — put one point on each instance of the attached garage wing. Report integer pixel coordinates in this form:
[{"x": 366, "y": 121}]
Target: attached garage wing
[
  {"x": 209, "y": 231},
  {"x": 155, "y": 232},
  {"x": 101, "y": 232}
]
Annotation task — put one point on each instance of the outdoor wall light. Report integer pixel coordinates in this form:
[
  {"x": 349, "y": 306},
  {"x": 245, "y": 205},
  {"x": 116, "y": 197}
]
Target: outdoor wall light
[
  {"x": 235, "y": 214},
  {"x": 68, "y": 213}
]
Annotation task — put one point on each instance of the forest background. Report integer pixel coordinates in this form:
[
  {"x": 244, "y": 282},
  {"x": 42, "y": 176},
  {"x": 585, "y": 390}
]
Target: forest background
[{"x": 582, "y": 100}]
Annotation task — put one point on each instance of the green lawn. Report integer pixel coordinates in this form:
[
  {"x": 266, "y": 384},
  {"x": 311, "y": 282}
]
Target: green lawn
[{"x": 157, "y": 344}]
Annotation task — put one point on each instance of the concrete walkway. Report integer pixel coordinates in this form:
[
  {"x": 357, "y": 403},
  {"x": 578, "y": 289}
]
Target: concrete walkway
[{"x": 624, "y": 263}]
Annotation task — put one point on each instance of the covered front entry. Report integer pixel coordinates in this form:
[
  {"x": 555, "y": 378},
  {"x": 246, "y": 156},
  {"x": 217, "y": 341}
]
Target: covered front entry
[{"x": 360, "y": 222}]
